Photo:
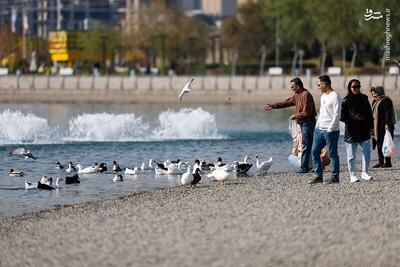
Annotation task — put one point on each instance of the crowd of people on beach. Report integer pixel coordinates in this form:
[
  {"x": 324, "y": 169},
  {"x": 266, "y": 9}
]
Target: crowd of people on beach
[{"x": 319, "y": 135}]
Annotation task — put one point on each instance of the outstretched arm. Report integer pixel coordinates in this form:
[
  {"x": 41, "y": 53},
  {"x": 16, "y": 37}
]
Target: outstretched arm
[{"x": 289, "y": 102}]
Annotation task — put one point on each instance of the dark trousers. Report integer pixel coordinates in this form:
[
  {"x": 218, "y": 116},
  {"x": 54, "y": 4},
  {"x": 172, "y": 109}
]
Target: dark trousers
[{"x": 307, "y": 134}]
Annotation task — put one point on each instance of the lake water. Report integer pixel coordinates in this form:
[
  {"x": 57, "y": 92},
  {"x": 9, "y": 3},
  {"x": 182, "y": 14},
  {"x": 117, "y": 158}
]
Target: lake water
[{"x": 129, "y": 134}]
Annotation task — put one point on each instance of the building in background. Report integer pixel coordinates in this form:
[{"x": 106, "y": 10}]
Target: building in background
[
  {"x": 74, "y": 15},
  {"x": 52, "y": 15},
  {"x": 241, "y": 2},
  {"x": 219, "y": 9}
]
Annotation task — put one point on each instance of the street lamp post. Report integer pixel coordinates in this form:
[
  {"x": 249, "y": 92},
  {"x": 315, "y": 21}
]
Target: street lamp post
[
  {"x": 191, "y": 43},
  {"x": 213, "y": 37},
  {"x": 104, "y": 51},
  {"x": 162, "y": 37}
]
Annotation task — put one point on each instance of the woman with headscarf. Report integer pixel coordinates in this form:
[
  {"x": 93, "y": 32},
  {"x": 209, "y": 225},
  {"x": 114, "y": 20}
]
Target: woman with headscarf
[
  {"x": 357, "y": 116},
  {"x": 384, "y": 118}
]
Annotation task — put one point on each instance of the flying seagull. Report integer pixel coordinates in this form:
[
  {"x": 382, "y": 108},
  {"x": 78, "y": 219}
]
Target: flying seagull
[{"x": 186, "y": 89}]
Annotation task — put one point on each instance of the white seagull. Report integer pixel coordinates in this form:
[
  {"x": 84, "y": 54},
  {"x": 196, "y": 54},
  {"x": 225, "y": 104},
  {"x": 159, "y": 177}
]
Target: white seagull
[
  {"x": 186, "y": 89},
  {"x": 131, "y": 172},
  {"x": 87, "y": 170},
  {"x": 219, "y": 174},
  {"x": 264, "y": 165},
  {"x": 187, "y": 177}
]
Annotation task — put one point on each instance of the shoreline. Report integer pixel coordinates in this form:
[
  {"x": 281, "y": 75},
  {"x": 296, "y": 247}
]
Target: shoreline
[{"x": 261, "y": 221}]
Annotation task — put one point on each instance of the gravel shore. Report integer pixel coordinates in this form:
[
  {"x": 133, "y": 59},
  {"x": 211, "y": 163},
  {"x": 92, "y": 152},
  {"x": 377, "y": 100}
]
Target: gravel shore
[{"x": 265, "y": 220}]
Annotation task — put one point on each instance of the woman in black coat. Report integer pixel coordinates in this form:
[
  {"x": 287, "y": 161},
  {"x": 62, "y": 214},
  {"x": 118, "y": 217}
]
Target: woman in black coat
[
  {"x": 357, "y": 116},
  {"x": 384, "y": 118}
]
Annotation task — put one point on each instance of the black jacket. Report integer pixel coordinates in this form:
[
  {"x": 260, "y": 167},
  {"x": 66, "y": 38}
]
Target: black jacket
[
  {"x": 385, "y": 117},
  {"x": 356, "y": 130}
]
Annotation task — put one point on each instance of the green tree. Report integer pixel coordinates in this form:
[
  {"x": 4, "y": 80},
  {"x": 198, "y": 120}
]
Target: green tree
[
  {"x": 248, "y": 33},
  {"x": 9, "y": 44},
  {"x": 100, "y": 42},
  {"x": 162, "y": 33}
]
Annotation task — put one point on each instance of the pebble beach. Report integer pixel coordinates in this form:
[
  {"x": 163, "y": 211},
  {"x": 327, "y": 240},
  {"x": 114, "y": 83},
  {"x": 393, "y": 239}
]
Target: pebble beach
[{"x": 266, "y": 220}]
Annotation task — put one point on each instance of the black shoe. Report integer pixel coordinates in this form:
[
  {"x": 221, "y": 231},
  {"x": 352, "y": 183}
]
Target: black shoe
[
  {"x": 330, "y": 181},
  {"x": 386, "y": 166},
  {"x": 316, "y": 180},
  {"x": 304, "y": 171},
  {"x": 379, "y": 165},
  {"x": 301, "y": 171}
]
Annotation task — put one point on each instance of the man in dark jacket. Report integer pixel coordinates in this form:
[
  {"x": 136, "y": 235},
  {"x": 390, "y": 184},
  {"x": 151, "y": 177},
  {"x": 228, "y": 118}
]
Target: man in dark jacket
[
  {"x": 304, "y": 115},
  {"x": 357, "y": 116}
]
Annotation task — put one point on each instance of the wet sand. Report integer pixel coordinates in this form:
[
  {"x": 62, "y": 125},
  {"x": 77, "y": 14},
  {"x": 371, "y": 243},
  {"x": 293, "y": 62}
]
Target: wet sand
[{"x": 266, "y": 220}]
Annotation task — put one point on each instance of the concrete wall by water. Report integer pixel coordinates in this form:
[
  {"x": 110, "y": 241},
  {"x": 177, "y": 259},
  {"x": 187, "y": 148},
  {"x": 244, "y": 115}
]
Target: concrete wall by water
[{"x": 146, "y": 89}]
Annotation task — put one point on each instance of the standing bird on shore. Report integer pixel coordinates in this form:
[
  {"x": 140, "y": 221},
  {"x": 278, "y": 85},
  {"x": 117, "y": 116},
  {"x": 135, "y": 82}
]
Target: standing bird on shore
[
  {"x": 14, "y": 173},
  {"x": 219, "y": 162},
  {"x": 265, "y": 165},
  {"x": 220, "y": 174},
  {"x": 196, "y": 177},
  {"x": 187, "y": 177},
  {"x": 186, "y": 89},
  {"x": 226, "y": 166},
  {"x": 242, "y": 167},
  {"x": 196, "y": 165}
]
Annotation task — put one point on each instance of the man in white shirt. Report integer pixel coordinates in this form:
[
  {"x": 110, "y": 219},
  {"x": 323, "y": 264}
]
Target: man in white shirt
[{"x": 326, "y": 131}]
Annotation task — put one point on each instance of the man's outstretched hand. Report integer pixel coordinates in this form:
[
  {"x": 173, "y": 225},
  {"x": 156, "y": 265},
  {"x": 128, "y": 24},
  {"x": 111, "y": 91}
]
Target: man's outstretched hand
[{"x": 268, "y": 107}]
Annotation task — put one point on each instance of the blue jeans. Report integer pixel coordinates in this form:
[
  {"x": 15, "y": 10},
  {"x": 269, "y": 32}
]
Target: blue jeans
[
  {"x": 351, "y": 149},
  {"x": 307, "y": 131},
  {"x": 322, "y": 139}
]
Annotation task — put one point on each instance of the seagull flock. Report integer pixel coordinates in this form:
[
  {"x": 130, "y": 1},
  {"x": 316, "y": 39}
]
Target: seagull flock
[{"x": 190, "y": 175}]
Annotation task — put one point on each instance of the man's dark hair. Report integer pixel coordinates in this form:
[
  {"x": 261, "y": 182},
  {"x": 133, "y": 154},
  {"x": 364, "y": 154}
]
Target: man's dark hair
[
  {"x": 297, "y": 81},
  {"x": 325, "y": 79}
]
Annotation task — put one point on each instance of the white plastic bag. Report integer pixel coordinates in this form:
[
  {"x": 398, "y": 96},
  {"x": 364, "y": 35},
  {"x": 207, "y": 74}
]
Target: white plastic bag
[
  {"x": 294, "y": 128},
  {"x": 388, "y": 147}
]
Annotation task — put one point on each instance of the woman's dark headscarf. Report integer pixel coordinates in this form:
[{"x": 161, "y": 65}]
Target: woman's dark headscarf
[
  {"x": 350, "y": 94},
  {"x": 378, "y": 90}
]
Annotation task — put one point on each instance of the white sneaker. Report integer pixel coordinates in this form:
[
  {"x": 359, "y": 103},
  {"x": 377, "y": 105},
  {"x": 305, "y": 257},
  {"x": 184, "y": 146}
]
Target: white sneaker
[
  {"x": 354, "y": 179},
  {"x": 365, "y": 176}
]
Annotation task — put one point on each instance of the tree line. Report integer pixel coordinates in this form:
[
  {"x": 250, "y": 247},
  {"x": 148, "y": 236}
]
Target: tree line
[{"x": 293, "y": 34}]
